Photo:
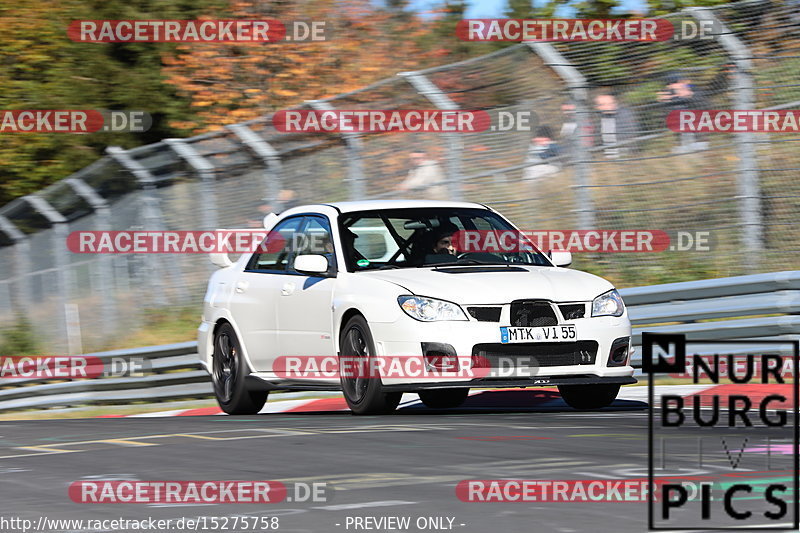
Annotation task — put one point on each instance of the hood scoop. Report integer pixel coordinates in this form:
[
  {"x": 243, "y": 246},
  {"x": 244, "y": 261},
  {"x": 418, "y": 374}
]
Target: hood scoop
[{"x": 478, "y": 269}]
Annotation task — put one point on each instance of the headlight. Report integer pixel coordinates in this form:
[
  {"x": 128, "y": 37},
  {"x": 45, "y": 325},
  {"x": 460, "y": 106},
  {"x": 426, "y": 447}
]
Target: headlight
[
  {"x": 430, "y": 309},
  {"x": 608, "y": 304}
]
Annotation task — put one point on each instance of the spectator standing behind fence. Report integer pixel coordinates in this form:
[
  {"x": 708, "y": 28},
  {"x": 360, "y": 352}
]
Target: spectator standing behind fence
[
  {"x": 617, "y": 125},
  {"x": 569, "y": 129},
  {"x": 542, "y": 155},
  {"x": 679, "y": 94},
  {"x": 425, "y": 178}
]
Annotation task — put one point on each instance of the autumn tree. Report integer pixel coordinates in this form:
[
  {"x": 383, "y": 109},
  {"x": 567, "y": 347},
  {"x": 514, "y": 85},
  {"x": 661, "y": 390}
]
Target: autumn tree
[
  {"x": 40, "y": 68},
  {"x": 229, "y": 83}
]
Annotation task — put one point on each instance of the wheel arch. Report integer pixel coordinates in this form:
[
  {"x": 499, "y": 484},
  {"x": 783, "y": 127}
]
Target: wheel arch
[
  {"x": 218, "y": 323},
  {"x": 346, "y": 316}
]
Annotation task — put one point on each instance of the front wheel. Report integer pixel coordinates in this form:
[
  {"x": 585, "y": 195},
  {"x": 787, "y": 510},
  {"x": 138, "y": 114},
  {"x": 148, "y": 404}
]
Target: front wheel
[
  {"x": 228, "y": 372},
  {"x": 443, "y": 398},
  {"x": 589, "y": 396},
  {"x": 362, "y": 390}
]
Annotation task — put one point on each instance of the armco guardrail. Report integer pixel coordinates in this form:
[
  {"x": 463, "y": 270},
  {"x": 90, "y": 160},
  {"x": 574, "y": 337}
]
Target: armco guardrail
[
  {"x": 756, "y": 307},
  {"x": 760, "y": 306}
]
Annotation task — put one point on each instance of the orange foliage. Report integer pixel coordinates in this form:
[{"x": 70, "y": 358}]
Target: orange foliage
[{"x": 229, "y": 83}]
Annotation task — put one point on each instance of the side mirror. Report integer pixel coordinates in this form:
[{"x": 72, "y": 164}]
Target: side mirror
[
  {"x": 560, "y": 258},
  {"x": 311, "y": 264},
  {"x": 221, "y": 260}
]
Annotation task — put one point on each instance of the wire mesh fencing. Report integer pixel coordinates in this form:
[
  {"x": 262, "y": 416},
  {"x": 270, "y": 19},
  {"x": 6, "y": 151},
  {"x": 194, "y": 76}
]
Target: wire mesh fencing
[{"x": 740, "y": 188}]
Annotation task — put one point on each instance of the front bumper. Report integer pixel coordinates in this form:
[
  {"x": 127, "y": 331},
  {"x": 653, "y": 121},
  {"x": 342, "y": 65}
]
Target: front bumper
[{"x": 407, "y": 336}]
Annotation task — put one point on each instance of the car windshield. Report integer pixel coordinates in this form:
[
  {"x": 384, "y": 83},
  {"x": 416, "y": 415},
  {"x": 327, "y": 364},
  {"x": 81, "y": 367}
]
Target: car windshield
[{"x": 440, "y": 236}]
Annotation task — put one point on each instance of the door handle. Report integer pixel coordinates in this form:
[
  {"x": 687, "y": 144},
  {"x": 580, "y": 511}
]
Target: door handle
[
  {"x": 287, "y": 289},
  {"x": 241, "y": 286}
]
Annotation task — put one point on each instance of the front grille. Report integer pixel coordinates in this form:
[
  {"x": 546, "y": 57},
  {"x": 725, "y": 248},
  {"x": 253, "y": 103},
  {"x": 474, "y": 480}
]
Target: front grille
[
  {"x": 485, "y": 314},
  {"x": 536, "y": 354},
  {"x": 572, "y": 311},
  {"x": 526, "y": 313}
]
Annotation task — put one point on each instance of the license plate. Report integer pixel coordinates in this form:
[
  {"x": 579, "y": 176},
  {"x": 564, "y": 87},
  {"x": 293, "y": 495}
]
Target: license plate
[{"x": 538, "y": 334}]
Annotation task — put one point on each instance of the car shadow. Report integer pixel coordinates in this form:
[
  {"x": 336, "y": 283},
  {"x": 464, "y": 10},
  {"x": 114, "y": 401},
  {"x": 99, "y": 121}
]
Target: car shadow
[
  {"x": 493, "y": 402},
  {"x": 516, "y": 401}
]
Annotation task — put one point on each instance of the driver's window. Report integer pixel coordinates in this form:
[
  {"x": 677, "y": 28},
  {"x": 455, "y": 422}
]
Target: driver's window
[
  {"x": 276, "y": 249},
  {"x": 317, "y": 239}
]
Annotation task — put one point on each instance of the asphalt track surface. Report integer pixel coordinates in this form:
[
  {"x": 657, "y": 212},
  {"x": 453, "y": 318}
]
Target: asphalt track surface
[{"x": 405, "y": 464}]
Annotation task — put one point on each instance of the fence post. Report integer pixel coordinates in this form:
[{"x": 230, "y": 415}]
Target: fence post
[
  {"x": 428, "y": 89},
  {"x": 355, "y": 168},
  {"x": 21, "y": 293},
  {"x": 577, "y": 86},
  {"x": 151, "y": 216},
  {"x": 64, "y": 285},
  {"x": 750, "y": 211},
  {"x": 206, "y": 171},
  {"x": 273, "y": 169},
  {"x": 106, "y": 270}
]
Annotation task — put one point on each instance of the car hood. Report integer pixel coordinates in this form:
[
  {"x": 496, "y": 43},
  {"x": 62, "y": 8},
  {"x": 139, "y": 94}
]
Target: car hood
[{"x": 497, "y": 285}]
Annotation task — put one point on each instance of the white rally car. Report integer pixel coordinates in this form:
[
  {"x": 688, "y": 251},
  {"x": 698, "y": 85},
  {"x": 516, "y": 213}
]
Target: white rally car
[{"x": 376, "y": 280}]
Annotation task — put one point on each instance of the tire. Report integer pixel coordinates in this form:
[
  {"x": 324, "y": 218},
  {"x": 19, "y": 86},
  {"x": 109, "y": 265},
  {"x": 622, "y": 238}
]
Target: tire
[
  {"x": 589, "y": 396},
  {"x": 443, "y": 398},
  {"x": 364, "y": 395},
  {"x": 228, "y": 373}
]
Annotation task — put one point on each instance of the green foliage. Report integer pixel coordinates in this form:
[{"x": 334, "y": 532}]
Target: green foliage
[
  {"x": 19, "y": 339},
  {"x": 584, "y": 8},
  {"x": 662, "y": 7},
  {"x": 520, "y": 9},
  {"x": 41, "y": 68}
]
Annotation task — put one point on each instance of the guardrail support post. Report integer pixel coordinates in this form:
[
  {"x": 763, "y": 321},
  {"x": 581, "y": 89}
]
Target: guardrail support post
[
  {"x": 355, "y": 170},
  {"x": 206, "y": 171},
  {"x": 273, "y": 169},
  {"x": 577, "y": 86},
  {"x": 750, "y": 210},
  {"x": 428, "y": 89}
]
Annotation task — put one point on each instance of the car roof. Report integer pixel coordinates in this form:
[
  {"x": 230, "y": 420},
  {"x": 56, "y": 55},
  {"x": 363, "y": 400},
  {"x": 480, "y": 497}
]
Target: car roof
[{"x": 370, "y": 205}]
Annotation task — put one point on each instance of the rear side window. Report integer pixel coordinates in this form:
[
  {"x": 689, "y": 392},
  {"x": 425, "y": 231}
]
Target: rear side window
[{"x": 277, "y": 247}]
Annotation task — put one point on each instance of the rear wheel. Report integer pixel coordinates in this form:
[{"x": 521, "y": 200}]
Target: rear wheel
[
  {"x": 589, "y": 396},
  {"x": 228, "y": 372},
  {"x": 443, "y": 398},
  {"x": 363, "y": 392}
]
